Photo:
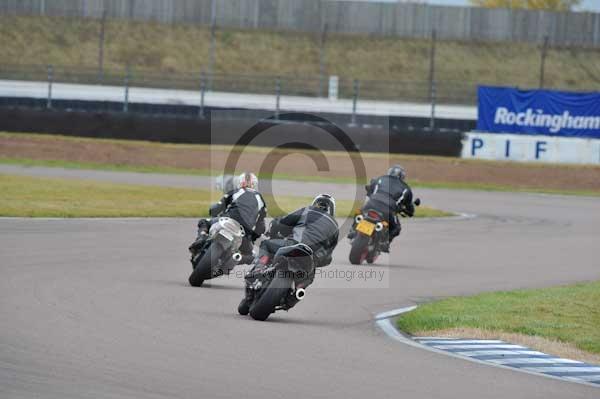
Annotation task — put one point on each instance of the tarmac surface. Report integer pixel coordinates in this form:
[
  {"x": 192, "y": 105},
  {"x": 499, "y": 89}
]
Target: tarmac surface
[{"x": 101, "y": 307}]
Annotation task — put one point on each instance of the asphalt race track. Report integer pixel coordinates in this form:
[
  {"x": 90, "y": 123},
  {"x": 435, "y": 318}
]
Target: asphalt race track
[{"x": 102, "y": 308}]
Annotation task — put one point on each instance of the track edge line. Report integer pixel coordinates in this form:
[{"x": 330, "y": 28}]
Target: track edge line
[{"x": 382, "y": 320}]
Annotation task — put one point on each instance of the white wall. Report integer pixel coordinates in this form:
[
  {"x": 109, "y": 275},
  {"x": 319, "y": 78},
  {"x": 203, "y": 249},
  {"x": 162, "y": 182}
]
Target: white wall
[{"x": 526, "y": 148}]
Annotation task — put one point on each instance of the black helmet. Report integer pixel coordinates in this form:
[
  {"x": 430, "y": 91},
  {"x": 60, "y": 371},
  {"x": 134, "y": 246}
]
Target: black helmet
[
  {"x": 397, "y": 171},
  {"x": 326, "y": 203}
]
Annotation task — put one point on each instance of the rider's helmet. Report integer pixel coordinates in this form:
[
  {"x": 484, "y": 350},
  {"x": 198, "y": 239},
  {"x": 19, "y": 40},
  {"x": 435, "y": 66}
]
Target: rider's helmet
[
  {"x": 397, "y": 171},
  {"x": 326, "y": 203},
  {"x": 247, "y": 180}
]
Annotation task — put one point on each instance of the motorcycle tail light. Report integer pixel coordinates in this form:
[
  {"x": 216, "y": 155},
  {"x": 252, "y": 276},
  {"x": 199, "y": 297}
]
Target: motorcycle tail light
[{"x": 373, "y": 215}]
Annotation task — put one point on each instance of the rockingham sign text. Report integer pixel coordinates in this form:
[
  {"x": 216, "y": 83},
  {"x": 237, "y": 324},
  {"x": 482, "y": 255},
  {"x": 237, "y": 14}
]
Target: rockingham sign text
[
  {"x": 537, "y": 118},
  {"x": 538, "y": 112},
  {"x": 535, "y": 125}
]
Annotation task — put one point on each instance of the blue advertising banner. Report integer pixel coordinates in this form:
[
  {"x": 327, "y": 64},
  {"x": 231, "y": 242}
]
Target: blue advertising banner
[{"x": 543, "y": 112}]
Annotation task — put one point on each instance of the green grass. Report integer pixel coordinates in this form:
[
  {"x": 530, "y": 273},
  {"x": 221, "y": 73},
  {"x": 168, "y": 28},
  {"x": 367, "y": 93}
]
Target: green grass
[
  {"x": 170, "y": 49},
  {"x": 49, "y": 197},
  {"x": 568, "y": 314},
  {"x": 503, "y": 188},
  {"x": 56, "y": 163},
  {"x": 42, "y": 197},
  {"x": 283, "y": 176}
]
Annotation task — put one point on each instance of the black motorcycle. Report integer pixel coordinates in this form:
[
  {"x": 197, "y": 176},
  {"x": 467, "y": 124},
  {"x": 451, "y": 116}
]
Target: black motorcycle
[
  {"x": 278, "y": 284},
  {"x": 217, "y": 252},
  {"x": 371, "y": 231}
]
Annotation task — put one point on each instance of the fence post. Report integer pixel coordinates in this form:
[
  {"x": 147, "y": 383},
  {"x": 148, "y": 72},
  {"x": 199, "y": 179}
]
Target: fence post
[
  {"x": 50, "y": 79},
  {"x": 277, "y": 96},
  {"x": 202, "y": 90},
  {"x": 432, "y": 88},
  {"x": 433, "y": 101},
  {"x": 322, "y": 61},
  {"x": 127, "y": 78},
  {"x": 543, "y": 61},
  {"x": 130, "y": 8},
  {"x": 213, "y": 41},
  {"x": 101, "y": 44},
  {"x": 355, "y": 100}
]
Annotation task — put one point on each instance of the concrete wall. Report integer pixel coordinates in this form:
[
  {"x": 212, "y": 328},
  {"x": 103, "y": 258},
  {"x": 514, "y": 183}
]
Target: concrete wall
[
  {"x": 136, "y": 125},
  {"x": 400, "y": 19}
]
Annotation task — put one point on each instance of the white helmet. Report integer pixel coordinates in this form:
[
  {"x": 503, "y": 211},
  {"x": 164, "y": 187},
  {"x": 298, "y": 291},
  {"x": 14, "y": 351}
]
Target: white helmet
[
  {"x": 247, "y": 180},
  {"x": 325, "y": 202}
]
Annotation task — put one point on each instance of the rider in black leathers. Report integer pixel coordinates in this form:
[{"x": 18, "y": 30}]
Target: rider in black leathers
[
  {"x": 314, "y": 225},
  {"x": 243, "y": 204},
  {"x": 390, "y": 195}
]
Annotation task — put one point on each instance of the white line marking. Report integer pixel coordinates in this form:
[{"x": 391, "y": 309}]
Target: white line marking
[
  {"x": 564, "y": 369},
  {"x": 459, "y": 341},
  {"x": 392, "y": 332},
  {"x": 396, "y": 312},
  {"x": 387, "y": 327},
  {"x": 476, "y": 346},
  {"x": 593, "y": 377},
  {"x": 499, "y": 352},
  {"x": 458, "y": 216},
  {"x": 526, "y": 360}
]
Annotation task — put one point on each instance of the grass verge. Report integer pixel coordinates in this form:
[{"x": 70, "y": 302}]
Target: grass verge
[
  {"x": 172, "y": 49},
  {"x": 281, "y": 176},
  {"x": 566, "y": 315},
  {"x": 48, "y": 197},
  {"x": 503, "y": 188}
]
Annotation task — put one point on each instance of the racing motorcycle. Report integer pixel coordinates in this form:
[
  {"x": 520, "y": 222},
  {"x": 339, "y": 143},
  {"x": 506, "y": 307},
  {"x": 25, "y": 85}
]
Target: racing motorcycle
[
  {"x": 217, "y": 252},
  {"x": 278, "y": 284},
  {"x": 372, "y": 230}
]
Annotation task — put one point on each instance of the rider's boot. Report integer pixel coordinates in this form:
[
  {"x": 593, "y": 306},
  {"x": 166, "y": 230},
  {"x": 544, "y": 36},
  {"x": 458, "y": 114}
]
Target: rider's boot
[
  {"x": 385, "y": 247},
  {"x": 203, "y": 227},
  {"x": 351, "y": 234}
]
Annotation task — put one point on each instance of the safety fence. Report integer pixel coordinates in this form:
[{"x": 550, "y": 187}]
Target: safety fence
[
  {"x": 410, "y": 20},
  {"x": 448, "y": 92}
]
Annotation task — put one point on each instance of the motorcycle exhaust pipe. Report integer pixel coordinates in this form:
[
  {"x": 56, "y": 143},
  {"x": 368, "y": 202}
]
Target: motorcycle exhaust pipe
[
  {"x": 358, "y": 218},
  {"x": 237, "y": 256},
  {"x": 379, "y": 226},
  {"x": 300, "y": 292}
]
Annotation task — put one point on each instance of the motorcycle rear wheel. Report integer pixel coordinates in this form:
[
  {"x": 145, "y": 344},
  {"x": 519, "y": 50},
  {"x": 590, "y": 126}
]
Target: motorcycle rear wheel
[
  {"x": 272, "y": 296},
  {"x": 359, "y": 249},
  {"x": 372, "y": 257}
]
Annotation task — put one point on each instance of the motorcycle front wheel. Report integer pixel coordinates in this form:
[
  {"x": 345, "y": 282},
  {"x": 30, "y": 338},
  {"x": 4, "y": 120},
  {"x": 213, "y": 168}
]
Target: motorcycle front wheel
[{"x": 204, "y": 268}]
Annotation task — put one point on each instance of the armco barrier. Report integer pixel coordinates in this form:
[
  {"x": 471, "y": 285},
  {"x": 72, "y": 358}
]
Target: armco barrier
[
  {"x": 186, "y": 129},
  {"x": 530, "y": 148}
]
